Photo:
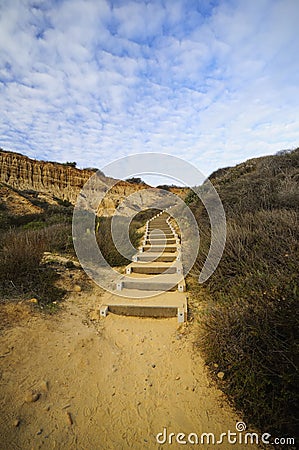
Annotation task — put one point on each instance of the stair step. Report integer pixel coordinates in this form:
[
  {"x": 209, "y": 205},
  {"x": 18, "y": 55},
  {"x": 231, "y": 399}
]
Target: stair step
[
  {"x": 159, "y": 249},
  {"x": 154, "y": 283},
  {"x": 168, "y": 282},
  {"x": 161, "y": 241},
  {"x": 159, "y": 257},
  {"x": 154, "y": 268}
]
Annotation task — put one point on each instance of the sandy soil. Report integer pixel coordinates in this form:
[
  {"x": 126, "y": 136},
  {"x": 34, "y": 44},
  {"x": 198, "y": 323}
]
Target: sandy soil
[{"x": 110, "y": 383}]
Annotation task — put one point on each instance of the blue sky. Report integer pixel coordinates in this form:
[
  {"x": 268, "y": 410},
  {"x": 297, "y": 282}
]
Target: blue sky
[{"x": 212, "y": 82}]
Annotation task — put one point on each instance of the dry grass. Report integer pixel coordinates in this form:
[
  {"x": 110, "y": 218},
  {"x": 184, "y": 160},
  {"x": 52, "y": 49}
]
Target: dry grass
[
  {"x": 22, "y": 274},
  {"x": 105, "y": 240},
  {"x": 250, "y": 329}
]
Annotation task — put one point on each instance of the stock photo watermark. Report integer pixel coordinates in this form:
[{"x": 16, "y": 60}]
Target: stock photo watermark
[
  {"x": 238, "y": 436},
  {"x": 96, "y": 192}
]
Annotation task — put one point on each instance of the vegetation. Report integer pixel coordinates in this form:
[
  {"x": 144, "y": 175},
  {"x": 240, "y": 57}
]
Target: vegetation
[
  {"x": 250, "y": 323},
  {"x": 63, "y": 202},
  {"x": 22, "y": 244},
  {"x": 168, "y": 187},
  {"x": 25, "y": 238},
  {"x": 135, "y": 180},
  {"x": 94, "y": 169},
  {"x": 22, "y": 273},
  {"x": 70, "y": 164},
  {"x": 105, "y": 240}
]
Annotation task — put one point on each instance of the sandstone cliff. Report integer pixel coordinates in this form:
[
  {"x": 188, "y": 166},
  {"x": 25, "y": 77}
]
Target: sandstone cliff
[
  {"x": 50, "y": 181},
  {"x": 57, "y": 180}
]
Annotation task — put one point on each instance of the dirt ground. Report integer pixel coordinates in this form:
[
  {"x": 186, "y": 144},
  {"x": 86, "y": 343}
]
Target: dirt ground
[{"x": 75, "y": 381}]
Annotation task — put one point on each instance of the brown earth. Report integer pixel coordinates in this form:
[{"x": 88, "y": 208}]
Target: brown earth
[
  {"x": 74, "y": 381},
  {"x": 16, "y": 204}
]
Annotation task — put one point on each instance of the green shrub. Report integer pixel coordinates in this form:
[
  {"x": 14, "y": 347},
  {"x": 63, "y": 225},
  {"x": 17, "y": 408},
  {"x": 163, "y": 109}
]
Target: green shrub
[
  {"x": 63, "y": 202},
  {"x": 135, "y": 180},
  {"x": 35, "y": 225}
]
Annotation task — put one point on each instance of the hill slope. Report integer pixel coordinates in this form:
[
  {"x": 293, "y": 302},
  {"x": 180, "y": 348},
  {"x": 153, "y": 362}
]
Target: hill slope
[
  {"x": 250, "y": 330},
  {"x": 54, "y": 183},
  {"x": 39, "y": 183}
]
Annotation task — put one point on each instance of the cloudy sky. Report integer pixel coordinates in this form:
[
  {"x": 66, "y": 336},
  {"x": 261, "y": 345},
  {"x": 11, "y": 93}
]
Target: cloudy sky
[{"x": 212, "y": 82}]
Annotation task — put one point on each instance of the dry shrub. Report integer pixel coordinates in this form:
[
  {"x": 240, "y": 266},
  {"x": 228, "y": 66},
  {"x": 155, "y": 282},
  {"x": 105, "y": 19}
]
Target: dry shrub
[
  {"x": 58, "y": 237},
  {"x": 250, "y": 329},
  {"x": 266, "y": 241},
  {"x": 21, "y": 272},
  {"x": 106, "y": 243},
  {"x": 20, "y": 254},
  {"x": 253, "y": 341}
]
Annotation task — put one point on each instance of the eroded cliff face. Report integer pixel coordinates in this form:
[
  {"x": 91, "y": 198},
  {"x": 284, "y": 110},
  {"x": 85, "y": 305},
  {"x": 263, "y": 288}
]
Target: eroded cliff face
[
  {"x": 53, "y": 180},
  {"x": 58, "y": 180},
  {"x": 50, "y": 181}
]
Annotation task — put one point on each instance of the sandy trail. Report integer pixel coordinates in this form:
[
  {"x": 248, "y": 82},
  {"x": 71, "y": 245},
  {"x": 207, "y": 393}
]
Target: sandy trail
[{"x": 121, "y": 379}]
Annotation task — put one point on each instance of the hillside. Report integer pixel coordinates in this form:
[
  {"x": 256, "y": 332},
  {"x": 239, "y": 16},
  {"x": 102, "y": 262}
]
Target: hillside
[
  {"x": 37, "y": 199},
  {"x": 260, "y": 183},
  {"x": 70, "y": 379},
  {"x": 30, "y": 186},
  {"x": 250, "y": 327},
  {"x": 244, "y": 320},
  {"x": 53, "y": 183}
]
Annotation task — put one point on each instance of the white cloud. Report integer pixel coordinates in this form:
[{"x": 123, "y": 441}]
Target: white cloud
[{"x": 212, "y": 84}]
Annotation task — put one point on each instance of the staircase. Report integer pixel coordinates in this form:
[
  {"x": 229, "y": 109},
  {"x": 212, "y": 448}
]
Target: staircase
[{"x": 153, "y": 284}]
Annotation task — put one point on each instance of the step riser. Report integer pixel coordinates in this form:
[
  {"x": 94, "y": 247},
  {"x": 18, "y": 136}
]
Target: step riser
[
  {"x": 160, "y": 241},
  {"x": 143, "y": 311},
  {"x": 149, "y": 286},
  {"x": 160, "y": 229},
  {"x": 160, "y": 235},
  {"x": 154, "y": 270},
  {"x": 153, "y": 248},
  {"x": 159, "y": 259},
  {"x": 159, "y": 226}
]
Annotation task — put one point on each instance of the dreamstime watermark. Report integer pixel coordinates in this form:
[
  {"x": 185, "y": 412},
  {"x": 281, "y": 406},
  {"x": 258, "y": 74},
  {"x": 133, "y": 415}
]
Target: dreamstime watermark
[
  {"x": 239, "y": 436},
  {"x": 96, "y": 195}
]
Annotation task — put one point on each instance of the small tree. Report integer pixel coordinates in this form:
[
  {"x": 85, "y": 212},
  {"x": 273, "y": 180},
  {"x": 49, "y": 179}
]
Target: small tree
[
  {"x": 135, "y": 180},
  {"x": 71, "y": 164}
]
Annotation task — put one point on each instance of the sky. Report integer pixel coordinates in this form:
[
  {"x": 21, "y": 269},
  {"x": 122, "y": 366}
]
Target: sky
[{"x": 214, "y": 82}]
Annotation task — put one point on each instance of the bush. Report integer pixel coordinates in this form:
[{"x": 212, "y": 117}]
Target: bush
[
  {"x": 135, "y": 180},
  {"x": 105, "y": 241},
  {"x": 21, "y": 272},
  {"x": 70, "y": 164},
  {"x": 107, "y": 246},
  {"x": 253, "y": 341},
  {"x": 35, "y": 225},
  {"x": 58, "y": 237},
  {"x": 250, "y": 326},
  {"x": 20, "y": 255},
  {"x": 63, "y": 202}
]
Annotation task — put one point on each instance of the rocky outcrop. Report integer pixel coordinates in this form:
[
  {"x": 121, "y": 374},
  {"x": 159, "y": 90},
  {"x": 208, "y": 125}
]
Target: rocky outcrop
[
  {"x": 50, "y": 181},
  {"x": 59, "y": 180}
]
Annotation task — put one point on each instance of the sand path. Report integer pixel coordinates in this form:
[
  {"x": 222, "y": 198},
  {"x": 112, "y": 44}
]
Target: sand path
[{"x": 120, "y": 380}]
